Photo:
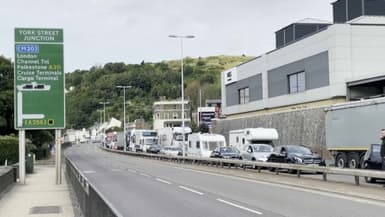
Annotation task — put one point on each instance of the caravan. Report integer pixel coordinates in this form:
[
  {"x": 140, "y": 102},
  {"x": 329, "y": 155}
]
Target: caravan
[
  {"x": 201, "y": 145},
  {"x": 172, "y": 136}
]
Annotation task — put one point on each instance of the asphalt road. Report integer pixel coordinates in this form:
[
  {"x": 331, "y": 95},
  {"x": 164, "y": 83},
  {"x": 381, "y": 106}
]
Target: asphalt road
[{"x": 140, "y": 187}]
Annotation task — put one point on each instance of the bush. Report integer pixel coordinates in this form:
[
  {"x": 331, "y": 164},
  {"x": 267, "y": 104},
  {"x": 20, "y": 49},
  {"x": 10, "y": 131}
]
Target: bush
[{"x": 9, "y": 149}]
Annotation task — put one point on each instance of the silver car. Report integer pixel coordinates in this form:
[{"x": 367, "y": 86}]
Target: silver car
[{"x": 256, "y": 152}]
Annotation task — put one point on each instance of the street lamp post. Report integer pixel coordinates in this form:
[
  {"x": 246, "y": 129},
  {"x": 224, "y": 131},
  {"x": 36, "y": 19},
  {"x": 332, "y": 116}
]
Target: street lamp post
[
  {"x": 181, "y": 37},
  {"x": 124, "y": 115},
  {"x": 104, "y": 116}
]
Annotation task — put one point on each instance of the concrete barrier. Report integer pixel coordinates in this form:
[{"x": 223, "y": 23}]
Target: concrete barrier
[
  {"x": 7, "y": 178},
  {"x": 92, "y": 203}
]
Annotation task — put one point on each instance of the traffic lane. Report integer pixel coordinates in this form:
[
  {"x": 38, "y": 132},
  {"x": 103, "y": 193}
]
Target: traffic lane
[
  {"x": 287, "y": 201},
  {"x": 152, "y": 196}
]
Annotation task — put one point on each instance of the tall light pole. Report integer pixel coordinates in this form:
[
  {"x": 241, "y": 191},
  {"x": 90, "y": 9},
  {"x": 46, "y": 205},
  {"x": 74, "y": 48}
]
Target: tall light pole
[
  {"x": 181, "y": 37},
  {"x": 104, "y": 115},
  {"x": 100, "y": 117},
  {"x": 124, "y": 115}
]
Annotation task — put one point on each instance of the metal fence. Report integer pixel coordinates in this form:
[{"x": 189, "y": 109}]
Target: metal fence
[
  {"x": 92, "y": 203},
  {"x": 276, "y": 167}
]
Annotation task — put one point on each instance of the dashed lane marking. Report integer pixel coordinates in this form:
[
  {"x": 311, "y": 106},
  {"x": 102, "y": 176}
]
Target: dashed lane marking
[
  {"x": 145, "y": 175},
  {"x": 239, "y": 206},
  {"x": 190, "y": 190},
  {"x": 164, "y": 181}
]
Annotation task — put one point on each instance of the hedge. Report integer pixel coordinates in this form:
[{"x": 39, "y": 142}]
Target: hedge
[{"x": 9, "y": 149}]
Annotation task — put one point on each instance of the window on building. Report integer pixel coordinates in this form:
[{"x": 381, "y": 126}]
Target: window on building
[
  {"x": 243, "y": 95},
  {"x": 189, "y": 144},
  {"x": 174, "y": 115},
  {"x": 198, "y": 145},
  {"x": 297, "y": 82},
  {"x": 157, "y": 116}
]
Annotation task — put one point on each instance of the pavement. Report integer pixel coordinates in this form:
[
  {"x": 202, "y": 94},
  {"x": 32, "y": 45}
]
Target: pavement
[{"x": 39, "y": 197}]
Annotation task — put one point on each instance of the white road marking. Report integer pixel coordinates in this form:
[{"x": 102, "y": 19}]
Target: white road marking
[
  {"x": 239, "y": 206},
  {"x": 116, "y": 170},
  {"x": 131, "y": 171},
  {"x": 88, "y": 171},
  {"x": 145, "y": 175},
  {"x": 164, "y": 181},
  {"x": 313, "y": 191},
  {"x": 190, "y": 190}
]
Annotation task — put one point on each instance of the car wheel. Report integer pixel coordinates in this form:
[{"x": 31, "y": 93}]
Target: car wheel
[
  {"x": 353, "y": 160},
  {"x": 368, "y": 179},
  {"x": 271, "y": 169},
  {"x": 341, "y": 160},
  {"x": 291, "y": 171}
]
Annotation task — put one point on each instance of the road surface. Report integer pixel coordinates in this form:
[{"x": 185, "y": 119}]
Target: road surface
[{"x": 147, "y": 188}]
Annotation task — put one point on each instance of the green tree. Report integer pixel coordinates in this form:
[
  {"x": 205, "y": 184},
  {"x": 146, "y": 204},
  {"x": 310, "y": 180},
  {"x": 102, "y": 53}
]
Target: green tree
[{"x": 6, "y": 96}]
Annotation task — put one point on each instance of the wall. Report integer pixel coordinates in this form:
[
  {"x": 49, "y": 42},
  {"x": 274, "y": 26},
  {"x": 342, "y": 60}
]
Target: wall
[
  {"x": 302, "y": 127},
  {"x": 254, "y": 83},
  {"x": 316, "y": 70},
  {"x": 7, "y": 178}
]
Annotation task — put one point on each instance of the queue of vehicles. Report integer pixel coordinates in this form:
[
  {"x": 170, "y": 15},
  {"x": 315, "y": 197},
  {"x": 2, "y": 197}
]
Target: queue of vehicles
[{"x": 345, "y": 125}]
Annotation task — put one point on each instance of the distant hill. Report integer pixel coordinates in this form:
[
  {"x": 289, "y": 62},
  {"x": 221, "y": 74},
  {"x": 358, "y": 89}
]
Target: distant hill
[{"x": 149, "y": 81}]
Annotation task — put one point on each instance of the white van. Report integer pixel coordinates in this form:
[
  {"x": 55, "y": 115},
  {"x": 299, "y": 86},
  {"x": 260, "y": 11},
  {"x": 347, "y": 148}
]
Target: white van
[{"x": 201, "y": 145}]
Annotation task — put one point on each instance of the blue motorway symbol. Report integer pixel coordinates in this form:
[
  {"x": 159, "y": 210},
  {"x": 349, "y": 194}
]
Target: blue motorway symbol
[{"x": 27, "y": 48}]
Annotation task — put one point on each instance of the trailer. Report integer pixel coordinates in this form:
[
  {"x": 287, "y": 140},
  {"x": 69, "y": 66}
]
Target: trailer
[
  {"x": 351, "y": 128},
  {"x": 201, "y": 145},
  {"x": 248, "y": 136}
]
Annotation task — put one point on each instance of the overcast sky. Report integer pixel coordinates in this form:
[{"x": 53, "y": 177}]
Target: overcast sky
[{"x": 101, "y": 31}]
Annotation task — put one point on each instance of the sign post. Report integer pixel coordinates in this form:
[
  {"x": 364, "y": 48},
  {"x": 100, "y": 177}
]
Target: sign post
[{"x": 38, "y": 84}]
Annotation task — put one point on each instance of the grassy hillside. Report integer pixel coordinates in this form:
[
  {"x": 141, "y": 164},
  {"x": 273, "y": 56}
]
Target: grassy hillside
[{"x": 149, "y": 82}]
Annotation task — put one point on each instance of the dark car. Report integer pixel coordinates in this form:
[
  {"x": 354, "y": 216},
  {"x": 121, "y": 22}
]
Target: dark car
[
  {"x": 372, "y": 161},
  {"x": 226, "y": 153},
  {"x": 295, "y": 154},
  {"x": 155, "y": 149}
]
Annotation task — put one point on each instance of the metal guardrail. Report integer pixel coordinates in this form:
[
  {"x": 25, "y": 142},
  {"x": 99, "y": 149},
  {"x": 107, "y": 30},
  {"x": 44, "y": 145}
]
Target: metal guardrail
[{"x": 276, "y": 167}]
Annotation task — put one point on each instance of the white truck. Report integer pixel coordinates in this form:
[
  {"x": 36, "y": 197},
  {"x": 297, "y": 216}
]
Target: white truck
[
  {"x": 351, "y": 127},
  {"x": 248, "y": 136},
  {"x": 172, "y": 136},
  {"x": 141, "y": 139},
  {"x": 201, "y": 145}
]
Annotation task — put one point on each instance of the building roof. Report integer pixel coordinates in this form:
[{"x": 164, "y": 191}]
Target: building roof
[{"x": 308, "y": 21}]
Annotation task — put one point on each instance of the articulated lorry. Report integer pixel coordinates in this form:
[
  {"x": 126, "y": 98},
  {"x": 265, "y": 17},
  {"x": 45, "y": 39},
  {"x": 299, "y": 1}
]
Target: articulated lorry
[{"x": 351, "y": 127}]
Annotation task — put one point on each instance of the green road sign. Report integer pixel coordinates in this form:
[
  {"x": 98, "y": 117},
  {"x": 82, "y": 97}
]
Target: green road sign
[{"x": 39, "y": 79}]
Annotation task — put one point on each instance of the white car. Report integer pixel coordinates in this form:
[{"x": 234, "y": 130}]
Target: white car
[
  {"x": 256, "y": 152},
  {"x": 171, "y": 151}
]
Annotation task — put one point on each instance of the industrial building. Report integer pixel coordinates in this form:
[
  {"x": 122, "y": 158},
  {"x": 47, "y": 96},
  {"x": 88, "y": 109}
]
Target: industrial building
[{"x": 315, "y": 64}]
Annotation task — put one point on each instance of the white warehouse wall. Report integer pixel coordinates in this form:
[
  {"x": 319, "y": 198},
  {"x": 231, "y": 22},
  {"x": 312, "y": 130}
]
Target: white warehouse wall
[{"x": 355, "y": 52}]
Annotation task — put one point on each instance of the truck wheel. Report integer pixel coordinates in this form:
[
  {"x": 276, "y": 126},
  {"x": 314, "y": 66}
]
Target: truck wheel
[
  {"x": 341, "y": 160},
  {"x": 353, "y": 160}
]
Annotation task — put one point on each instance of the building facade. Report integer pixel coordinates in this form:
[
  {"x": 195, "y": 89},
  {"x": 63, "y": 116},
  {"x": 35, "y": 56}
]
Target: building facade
[
  {"x": 315, "y": 65},
  {"x": 169, "y": 114},
  {"x": 340, "y": 62}
]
